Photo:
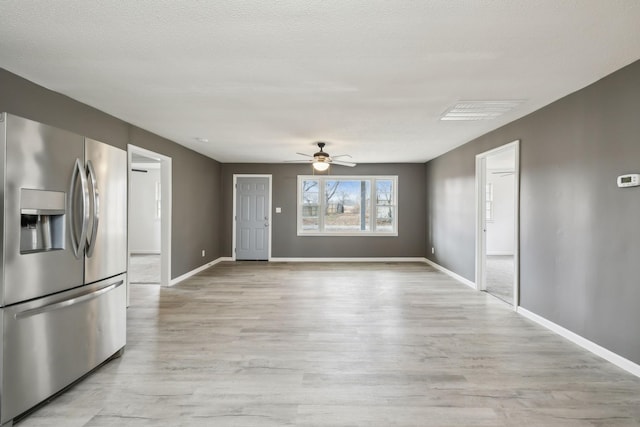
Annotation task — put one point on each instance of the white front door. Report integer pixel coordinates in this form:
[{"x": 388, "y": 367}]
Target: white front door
[{"x": 252, "y": 218}]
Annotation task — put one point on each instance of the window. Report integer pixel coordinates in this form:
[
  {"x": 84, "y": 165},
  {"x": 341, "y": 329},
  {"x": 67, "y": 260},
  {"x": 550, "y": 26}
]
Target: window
[
  {"x": 343, "y": 205},
  {"x": 489, "y": 203}
]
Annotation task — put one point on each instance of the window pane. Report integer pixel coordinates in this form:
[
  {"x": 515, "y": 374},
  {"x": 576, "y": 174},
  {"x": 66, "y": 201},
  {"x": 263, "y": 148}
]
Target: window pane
[
  {"x": 311, "y": 223},
  {"x": 384, "y": 218},
  {"x": 310, "y": 205},
  {"x": 310, "y": 198},
  {"x": 384, "y": 192},
  {"x": 343, "y": 202},
  {"x": 310, "y": 189},
  {"x": 489, "y": 192}
]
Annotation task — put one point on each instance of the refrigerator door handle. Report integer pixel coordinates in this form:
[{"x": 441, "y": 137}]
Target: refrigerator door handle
[
  {"x": 78, "y": 243},
  {"x": 91, "y": 240},
  {"x": 68, "y": 302}
]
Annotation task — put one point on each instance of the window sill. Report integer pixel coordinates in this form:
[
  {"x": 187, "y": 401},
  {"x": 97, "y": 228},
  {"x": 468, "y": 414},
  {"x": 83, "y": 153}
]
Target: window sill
[{"x": 364, "y": 234}]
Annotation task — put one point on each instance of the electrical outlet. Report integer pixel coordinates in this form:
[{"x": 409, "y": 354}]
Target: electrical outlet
[
  {"x": 433, "y": 250},
  {"x": 203, "y": 252}
]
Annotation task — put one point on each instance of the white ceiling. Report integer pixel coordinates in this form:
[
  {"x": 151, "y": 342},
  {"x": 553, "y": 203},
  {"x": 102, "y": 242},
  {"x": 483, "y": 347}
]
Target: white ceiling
[{"x": 262, "y": 80}]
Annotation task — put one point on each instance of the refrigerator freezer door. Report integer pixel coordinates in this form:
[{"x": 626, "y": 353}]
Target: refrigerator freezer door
[
  {"x": 107, "y": 236},
  {"x": 51, "y": 342},
  {"x": 37, "y": 247}
]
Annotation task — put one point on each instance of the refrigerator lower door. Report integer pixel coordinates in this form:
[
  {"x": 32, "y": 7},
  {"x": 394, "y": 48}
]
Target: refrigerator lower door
[{"x": 51, "y": 342}]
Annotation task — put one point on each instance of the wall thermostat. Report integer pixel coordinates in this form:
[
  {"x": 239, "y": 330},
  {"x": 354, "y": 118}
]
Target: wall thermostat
[{"x": 629, "y": 180}]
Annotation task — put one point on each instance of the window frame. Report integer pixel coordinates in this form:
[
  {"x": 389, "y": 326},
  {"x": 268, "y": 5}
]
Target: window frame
[
  {"x": 488, "y": 203},
  {"x": 372, "y": 205}
]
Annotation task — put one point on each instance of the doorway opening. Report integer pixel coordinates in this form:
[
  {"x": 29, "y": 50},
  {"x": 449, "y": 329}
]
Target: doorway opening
[
  {"x": 497, "y": 223},
  {"x": 149, "y": 217},
  {"x": 251, "y": 217}
]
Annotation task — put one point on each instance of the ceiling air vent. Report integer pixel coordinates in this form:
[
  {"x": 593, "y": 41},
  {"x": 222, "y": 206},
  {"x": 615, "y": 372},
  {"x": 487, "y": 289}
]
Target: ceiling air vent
[{"x": 479, "y": 110}]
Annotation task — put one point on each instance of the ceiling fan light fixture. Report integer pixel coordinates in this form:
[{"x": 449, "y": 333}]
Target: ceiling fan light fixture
[
  {"x": 320, "y": 165},
  {"x": 321, "y": 161}
]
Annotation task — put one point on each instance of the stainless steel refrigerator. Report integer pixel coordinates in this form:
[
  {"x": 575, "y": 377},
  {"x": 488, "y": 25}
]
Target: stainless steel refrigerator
[{"x": 64, "y": 260}]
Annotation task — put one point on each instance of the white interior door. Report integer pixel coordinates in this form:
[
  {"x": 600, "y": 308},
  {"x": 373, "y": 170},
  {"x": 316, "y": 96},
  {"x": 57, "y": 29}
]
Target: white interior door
[{"x": 252, "y": 217}]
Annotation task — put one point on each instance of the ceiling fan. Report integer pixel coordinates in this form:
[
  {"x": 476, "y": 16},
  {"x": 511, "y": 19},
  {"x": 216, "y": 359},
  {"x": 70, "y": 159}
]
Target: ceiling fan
[{"x": 321, "y": 160}]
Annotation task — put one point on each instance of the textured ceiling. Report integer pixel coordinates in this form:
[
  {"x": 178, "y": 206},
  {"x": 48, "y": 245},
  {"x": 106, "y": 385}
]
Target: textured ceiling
[{"x": 262, "y": 80}]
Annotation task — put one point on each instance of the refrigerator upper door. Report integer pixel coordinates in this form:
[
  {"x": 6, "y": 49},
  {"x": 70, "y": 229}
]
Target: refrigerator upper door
[
  {"x": 107, "y": 232},
  {"x": 37, "y": 248}
]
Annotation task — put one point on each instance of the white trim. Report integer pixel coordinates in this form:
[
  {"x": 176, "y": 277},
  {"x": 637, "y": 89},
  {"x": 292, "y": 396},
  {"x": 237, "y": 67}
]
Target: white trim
[
  {"x": 594, "y": 348},
  {"x": 481, "y": 253},
  {"x": 500, "y": 253},
  {"x": 354, "y": 259},
  {"x": 451, "y": 273},
  {"x": 516, "y": 226},
  {"x": 349, "y": 234},
  {"x": 235, "y": 230},
  {"x": 480, "y": 257},
  {"x": 198, "y": 270},
  {"x": 166, "y": 207},
  {"x": 143, "y": 252}
]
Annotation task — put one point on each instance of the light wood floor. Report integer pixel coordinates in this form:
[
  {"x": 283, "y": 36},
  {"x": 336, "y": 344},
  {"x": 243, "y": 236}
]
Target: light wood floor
[
  {"x": 500, "y": 277},
  {"x": 259, "y": 344},
  {"x": 144, "y": 269}
]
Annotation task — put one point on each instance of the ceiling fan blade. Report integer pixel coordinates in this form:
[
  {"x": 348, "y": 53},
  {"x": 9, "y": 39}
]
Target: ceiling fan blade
[
  {"x": 306, "y": 155},
  {"x": 341, "y": 155},
  {"x": 341, "y": 163},
  {"x": 298, "y": 161}
]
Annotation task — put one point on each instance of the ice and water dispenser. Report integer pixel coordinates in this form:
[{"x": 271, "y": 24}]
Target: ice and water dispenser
[{"x": 42, "y": 221}]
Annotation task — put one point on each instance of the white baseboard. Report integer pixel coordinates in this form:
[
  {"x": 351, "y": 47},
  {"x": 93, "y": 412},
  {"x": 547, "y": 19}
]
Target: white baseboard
[
  {"x": 456, "y": 276},
  {"x": 198, "y": 270},
  {"x": 500, "y": 253},
  {"x": 608, "y": 355},
  {"x": 358, "y": 259}
]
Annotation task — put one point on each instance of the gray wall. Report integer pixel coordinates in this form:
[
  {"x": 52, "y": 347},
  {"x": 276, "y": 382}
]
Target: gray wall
[
  {"x": 196, "y": 178},
  {"x": 286, "y": 243},
  {"x": 580, "y": 234}
]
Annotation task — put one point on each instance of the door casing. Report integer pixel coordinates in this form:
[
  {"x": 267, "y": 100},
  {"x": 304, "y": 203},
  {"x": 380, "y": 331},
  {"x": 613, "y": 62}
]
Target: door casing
[
  {"x": 481, "y": 236},
  {"x": 165, "y": 208}
]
